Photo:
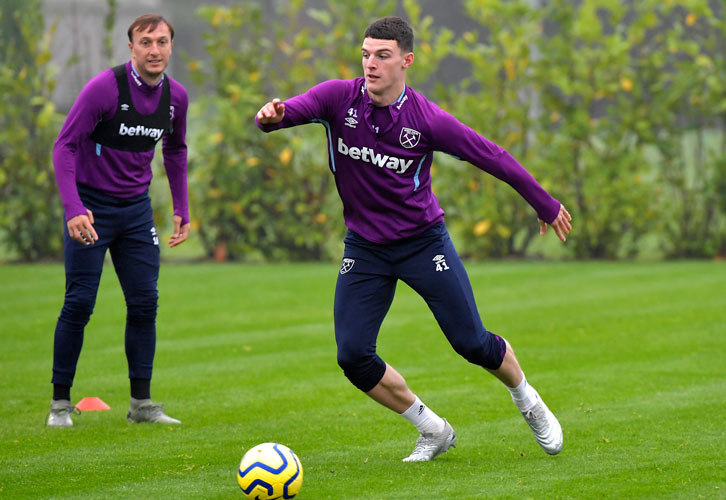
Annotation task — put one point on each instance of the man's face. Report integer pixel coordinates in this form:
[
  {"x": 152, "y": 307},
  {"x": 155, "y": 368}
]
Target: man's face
[
  {"x": 150, "y": 52},
  {"x": 384, "y": 66}
]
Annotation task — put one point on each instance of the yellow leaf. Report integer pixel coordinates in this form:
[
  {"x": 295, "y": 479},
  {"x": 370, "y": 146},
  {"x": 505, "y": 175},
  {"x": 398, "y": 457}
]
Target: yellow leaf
[
  {"x": 510, "y": 69},
  {"x": 252, "y": 161},
  {"x": 217, "y": 18},
  {"x": 320, "y": 218},
  {"x": 344, "y": 72},
  {"x": 217, "y": 138},
  {"x": 481, "y": 227},
  {"x": 285, "y": 156},
  {"x": 626, "y": 84},
  {"x": 691, "y": 19},
  {"x": 237, "y": 208}
]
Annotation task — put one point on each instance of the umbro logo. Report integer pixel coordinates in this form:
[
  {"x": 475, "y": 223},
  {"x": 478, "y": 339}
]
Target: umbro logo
[
  {"x": 421, "y": 408},
  {"x": 351, "y": 122},
  {"x": 124, "y": 107}
]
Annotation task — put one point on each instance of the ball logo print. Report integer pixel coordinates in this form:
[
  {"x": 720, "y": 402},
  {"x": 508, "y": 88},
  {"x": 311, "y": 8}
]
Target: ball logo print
[{"x": 270, "y": 471}]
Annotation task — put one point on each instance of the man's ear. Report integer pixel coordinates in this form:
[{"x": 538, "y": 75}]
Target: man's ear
[{"x": 408, "y": 60}]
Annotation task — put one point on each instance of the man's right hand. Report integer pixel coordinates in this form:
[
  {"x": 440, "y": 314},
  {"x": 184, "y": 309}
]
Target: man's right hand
[
  {"x": 272, "y": 112},
  {"x": 80, "y": 228}
]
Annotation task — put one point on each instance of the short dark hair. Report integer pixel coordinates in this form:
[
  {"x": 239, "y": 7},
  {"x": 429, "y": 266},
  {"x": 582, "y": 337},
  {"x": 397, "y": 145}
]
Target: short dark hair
[
  {"x": 392, "y": 28},
  {"x": 148, "y": 22}
]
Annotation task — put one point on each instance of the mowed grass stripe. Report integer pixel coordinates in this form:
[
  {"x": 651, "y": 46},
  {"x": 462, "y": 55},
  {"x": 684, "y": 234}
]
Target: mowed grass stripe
[{"x": 627, "y": 354}]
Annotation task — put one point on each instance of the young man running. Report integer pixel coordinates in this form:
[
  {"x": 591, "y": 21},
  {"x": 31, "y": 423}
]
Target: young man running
[
  {"x": 381, "y": 137},
  {"x": 102, "y": 160}
]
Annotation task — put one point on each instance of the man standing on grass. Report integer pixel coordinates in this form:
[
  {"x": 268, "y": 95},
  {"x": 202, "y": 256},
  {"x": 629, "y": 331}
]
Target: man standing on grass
[
  {"x": 102, "y": 160},
  {"x": 381, "y": 137}
]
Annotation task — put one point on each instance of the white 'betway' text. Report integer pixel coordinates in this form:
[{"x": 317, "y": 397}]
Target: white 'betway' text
[
  {"x": 400, "y": 165},
  {"x": 154, "y": 133}
]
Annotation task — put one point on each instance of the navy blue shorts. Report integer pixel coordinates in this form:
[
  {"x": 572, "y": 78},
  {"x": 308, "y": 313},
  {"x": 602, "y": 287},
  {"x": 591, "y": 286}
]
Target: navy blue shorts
[{"x": 430, "y": 265}]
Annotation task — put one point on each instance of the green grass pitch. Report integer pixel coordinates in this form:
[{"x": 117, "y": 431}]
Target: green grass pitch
[{"x": 630, "y": 356}]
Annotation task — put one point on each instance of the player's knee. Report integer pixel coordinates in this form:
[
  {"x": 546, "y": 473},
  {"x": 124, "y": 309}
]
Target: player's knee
[
  {"x": 141, "y": 309},
  {"x": 364, "y": 370},
  {"x": 487, "y": 352},
  {"x": 77, "y": 310}
]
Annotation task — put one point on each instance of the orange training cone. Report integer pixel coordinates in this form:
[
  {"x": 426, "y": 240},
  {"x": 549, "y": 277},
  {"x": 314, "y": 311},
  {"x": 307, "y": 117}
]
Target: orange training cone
[{"x": 92, "y": 404}]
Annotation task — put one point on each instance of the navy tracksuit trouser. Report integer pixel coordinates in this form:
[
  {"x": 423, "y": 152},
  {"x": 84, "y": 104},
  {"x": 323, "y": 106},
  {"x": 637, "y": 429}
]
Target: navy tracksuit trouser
[
  {"x": 430, "y": 265},
  {"x": 125, "y": 227}
]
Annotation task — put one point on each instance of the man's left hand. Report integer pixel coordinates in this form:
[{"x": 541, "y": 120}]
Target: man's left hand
[
  {"x": 561, "y": 224},
  {"x": 180, "y": 232}
]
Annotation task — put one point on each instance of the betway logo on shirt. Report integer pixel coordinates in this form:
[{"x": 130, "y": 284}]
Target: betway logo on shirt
[
  {"x": 400, "y": 165},
  {"x": 154, "y": 133}
]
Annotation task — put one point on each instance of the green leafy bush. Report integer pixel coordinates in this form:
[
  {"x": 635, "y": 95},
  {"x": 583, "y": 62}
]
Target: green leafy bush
[
  {"x": 30, "y": 209},
  {"x": 616, "y": 108}
]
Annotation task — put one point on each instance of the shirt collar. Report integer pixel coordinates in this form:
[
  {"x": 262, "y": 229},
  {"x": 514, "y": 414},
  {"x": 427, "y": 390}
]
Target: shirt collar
[
  {"x": 140, "y": 81},
  {"x": 398, "y": 102}
]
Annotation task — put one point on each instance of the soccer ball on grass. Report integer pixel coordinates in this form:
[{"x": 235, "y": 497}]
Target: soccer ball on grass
[{"x": 270, "y": 470}]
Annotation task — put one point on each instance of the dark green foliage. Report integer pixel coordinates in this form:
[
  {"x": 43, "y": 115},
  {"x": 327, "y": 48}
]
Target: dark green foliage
[
  {"x": 594, "y": 99},
  {"x": 31, "y": 215},
  {"x": 615, "y": 107}
]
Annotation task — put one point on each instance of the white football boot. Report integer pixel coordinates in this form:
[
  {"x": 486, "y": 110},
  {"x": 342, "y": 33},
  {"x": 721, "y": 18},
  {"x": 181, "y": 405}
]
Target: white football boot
[
  {"x": 544, "y": 425},
  {"x": 429, "y": 446},
  {"x": 60, "y": 413},
  {"x": 150, "y": 412}
]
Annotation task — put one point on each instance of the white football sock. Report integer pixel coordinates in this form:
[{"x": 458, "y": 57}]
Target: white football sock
[
  {"x": 524, "y": 395},
  {"x": 425, "y": 420}
]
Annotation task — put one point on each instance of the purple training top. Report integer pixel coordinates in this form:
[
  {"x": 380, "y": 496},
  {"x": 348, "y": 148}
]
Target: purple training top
[
  {"x": 77, "y": 158},
  {"x": 381, "y": 157}
]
